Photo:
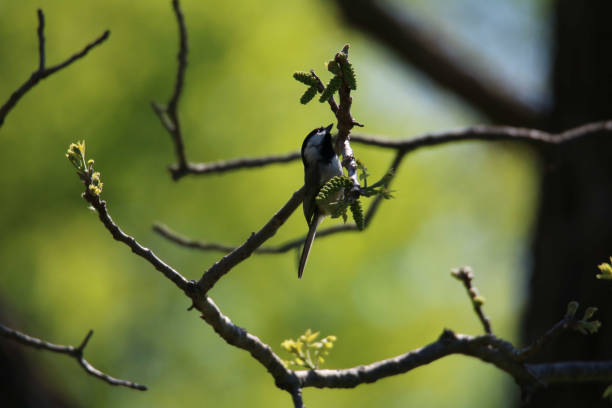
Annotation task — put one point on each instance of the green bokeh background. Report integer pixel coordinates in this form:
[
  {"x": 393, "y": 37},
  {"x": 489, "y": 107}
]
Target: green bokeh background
[{"x": 382, "y": 292}]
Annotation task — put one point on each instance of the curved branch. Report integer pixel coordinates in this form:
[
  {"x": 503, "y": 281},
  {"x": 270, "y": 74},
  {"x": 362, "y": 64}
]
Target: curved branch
[
  {"x": 488, "y": 133},
  {"x": 42, "y": 72},
  {"x": 483, "y": 347},
  {"x": 74, "y": 352},
  {"x": 405, "y": 145},
  {"x": 215, "y": 246},
  {"x": 232, "y": 164},
  {"x": 169, "y": 114}
]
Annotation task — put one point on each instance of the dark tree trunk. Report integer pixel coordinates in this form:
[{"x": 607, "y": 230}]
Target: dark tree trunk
[{"x": 573, "y": 229}]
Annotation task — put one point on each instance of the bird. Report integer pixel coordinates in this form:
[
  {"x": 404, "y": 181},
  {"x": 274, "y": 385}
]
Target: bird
[{"x": 321, "y": 163}]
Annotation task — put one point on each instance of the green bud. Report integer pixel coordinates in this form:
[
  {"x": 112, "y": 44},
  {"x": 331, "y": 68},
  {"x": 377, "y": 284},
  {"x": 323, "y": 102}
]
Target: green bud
[
  {"x": 572, "y": 308},
  {"x": 478, "y": 300}
]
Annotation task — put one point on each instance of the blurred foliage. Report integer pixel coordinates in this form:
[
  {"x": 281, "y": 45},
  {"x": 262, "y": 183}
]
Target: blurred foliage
[{"x": 384, "y": 291}]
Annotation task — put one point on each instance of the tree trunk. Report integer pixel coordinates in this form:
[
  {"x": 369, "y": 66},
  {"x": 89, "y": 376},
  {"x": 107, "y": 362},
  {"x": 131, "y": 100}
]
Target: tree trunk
[{"x": 573, "y": 228}]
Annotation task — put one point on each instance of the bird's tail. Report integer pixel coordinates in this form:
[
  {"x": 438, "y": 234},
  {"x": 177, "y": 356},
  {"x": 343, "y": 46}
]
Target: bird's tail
[{"x": 312, "y": 230}]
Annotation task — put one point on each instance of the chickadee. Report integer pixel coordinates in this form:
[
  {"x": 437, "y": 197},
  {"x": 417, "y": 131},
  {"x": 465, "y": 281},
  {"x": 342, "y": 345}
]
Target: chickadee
[{"x": 321, "y": 163}]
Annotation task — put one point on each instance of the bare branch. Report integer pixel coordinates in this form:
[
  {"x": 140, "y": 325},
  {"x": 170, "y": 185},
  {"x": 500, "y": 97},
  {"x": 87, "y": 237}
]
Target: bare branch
[
  {"x": 74, "y": 352},
  {"x": 42, "y": 72},
  {"x": 402, "y": 147},
  {"x": 168, "y": 114},
  {"x": 423, "y": 49},
  {"x": 483, "y": 347},
  {"x": 225, "y": 264},
  {"x": 532, "y": 349},
  {"x": 488, "y": 133},
  {"x": 41, "y": 39},
  {"x": 465, "y": 275},
  {"x": 573, "y": 371},
  {"x": 406, "y": 145},
  {"x": 215, "y": 246},
  {"x": 233, "y": 164}
]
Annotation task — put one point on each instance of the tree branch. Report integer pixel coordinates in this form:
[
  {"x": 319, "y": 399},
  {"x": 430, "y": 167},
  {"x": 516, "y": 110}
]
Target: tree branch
[
  {"x": 482, "y": 347},
  {"x": 296, "y": 396},
  {"x": 168, "y": 114},
  {"x": 488, "y": 133},
  {"x": 466, "y": 276},
  {"x": 233, "y": 164},
  {"x": 236, "y": 336},
  {"x": 74, "y": 352},
  {"x": 225, "y": 264},
  {"x": 402, "y": 147},
  {"x": 425, "y": 50},
  {"x": 42, "y": 72},
  {"x": 215, "y": 246},
  {"x": 487, "y": 348},
  {"x": 406, "y": 145}
]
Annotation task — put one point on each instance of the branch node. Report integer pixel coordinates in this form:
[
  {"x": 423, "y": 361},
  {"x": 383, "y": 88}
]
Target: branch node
[{"x": 447, "y": 336}]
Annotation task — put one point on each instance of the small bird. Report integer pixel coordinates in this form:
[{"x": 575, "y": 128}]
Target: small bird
[{"x": 321, "y": 163}]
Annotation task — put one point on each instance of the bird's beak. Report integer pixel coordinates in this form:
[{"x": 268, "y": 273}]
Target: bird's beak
[{"x": 329, "y": 128}]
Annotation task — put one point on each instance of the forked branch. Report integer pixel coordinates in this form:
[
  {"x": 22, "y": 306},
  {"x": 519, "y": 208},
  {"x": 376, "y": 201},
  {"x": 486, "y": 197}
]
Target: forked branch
[
  {"x": 42, "y": 71},
  {"x": 74, "y": 352}
]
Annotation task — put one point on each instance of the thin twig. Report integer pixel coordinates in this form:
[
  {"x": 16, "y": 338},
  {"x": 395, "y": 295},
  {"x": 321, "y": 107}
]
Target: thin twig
[
  {"x": 232, "y": 164},
  {"x": 181, "y": 240},
  {"x": 569, "y": 322},
  {"x": 465, "y": 275},
  {"x": 42, "y": 72},
  {"x": 321, "y": 87},
  {"x": 41, "y": 39},
  {"x": 168, "y": 114},
  {"x": 74, "y": 352}
]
